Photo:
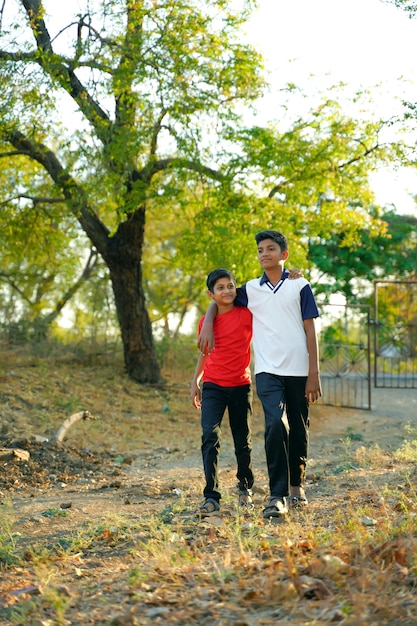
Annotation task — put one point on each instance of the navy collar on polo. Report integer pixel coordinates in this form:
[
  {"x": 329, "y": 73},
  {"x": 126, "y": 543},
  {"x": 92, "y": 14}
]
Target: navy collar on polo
[{"x": 264, "y": 278}]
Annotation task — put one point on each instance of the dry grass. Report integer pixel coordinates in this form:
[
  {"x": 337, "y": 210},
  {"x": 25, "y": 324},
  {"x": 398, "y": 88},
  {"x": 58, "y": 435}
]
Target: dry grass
[{"x": 133, "y": 552}]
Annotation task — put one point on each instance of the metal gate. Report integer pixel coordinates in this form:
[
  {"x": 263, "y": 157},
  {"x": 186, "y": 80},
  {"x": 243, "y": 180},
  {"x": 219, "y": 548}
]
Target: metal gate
[
  {"x": 345, "y": 366},
  {"x": 395, "y": 334}
]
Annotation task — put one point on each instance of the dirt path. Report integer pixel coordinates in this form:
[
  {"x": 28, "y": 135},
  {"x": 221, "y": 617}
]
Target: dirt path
[
  {"x": 81, "y": 520},
  {"x": 167, "y": 473}
]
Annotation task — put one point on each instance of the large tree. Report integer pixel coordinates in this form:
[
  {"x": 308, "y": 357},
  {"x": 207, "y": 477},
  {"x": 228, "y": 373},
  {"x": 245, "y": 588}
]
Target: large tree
[
  {"x": 157, "y": 132},
  {"x": 148, "y": 78}
]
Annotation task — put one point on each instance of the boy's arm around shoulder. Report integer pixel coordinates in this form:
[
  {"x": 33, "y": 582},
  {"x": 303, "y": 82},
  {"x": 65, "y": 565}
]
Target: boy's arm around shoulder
[
  {"x": 206, "y": 337},
  {"x": 313, "y": 384},
  {"x": 295, "y": 273},
  {"x": 205, "y": 341}
]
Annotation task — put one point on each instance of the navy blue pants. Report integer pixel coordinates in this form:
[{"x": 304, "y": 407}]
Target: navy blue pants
[
  {"x": 238, "y": 401},
  {"x": 286, "y": 440}
]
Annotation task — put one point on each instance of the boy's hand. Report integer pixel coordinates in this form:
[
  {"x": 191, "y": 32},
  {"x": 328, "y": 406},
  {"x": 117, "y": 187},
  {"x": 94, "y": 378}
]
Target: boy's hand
[
  {"x": 206, "y": 338},
  {"x": 313, "y": 387},
  {"x": 295, "y": 273},
  {"x": 195, "y": 395}
]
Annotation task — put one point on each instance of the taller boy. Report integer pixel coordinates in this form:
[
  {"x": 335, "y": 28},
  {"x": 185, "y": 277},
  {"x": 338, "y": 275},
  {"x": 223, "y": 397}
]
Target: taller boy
[{"x": 286, "y": 366}]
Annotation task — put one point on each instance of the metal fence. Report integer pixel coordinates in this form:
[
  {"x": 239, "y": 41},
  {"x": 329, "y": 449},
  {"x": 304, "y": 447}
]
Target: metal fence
[
  {"x": 359, "y": 352},
  {"x": 395, "y": 334},
  {"x": 345, "y": 365}
]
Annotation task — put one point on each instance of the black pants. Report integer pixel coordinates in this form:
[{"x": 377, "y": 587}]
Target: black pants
[
  {"x": 286, "y": 441},
  {"x": 238, "y": 401}
]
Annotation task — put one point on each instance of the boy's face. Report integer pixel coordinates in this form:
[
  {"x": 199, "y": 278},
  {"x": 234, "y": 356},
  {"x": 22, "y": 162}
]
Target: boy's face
[
  {"x": 270, "y": 255},
  {"x": 224, "y": 291}
]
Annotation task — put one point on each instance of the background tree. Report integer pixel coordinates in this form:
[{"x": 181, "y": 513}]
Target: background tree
[
  {"x": 158, "y": 133},
  {"x": 147, "y": 79},
  {"x": 310, "y": 181},
  {"x": 350, "y": 270}
]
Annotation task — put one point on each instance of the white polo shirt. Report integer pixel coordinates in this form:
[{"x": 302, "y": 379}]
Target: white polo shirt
[{"x": 279, "y": 338}]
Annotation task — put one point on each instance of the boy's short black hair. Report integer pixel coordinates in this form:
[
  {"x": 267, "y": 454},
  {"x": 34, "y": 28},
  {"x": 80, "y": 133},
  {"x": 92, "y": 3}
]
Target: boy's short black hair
[
  {"x": 276, "y": 236},
  {"x": 214, "y": 276}
]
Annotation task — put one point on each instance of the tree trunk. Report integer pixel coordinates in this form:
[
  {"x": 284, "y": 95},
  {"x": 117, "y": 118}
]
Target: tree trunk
[{"x": 123, "y": 258}]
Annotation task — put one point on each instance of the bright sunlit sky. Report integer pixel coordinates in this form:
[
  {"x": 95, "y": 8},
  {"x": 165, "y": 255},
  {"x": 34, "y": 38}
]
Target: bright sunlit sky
[
  {"x": 316, "y": 44},
  {"x": 363, "y": 43}
]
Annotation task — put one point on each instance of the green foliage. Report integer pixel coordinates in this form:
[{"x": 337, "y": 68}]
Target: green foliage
[
  {"x": 166, "y": 91},
  {"x": 177, "y": 354},
  {"x": 54, "y": 512},
  {"x": 310, "y": 182},
  {"x": 40, "y": 258},
  {"x": 9, "y": 554},
  {"x": 110, "y": 120},
  {"x": 407, "y": 452},
  {"x": 390, "y": 253}
]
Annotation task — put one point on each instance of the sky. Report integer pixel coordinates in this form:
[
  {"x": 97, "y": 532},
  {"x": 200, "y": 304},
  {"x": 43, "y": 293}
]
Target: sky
[{"x": 367, "y": 44}]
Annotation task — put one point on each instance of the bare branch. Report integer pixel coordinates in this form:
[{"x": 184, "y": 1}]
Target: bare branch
[
  {"x": 173, "y": 163},
  {"x": 89, "y": 267},
  {"x": 12, "y": 153},
  {"x": 65, "y": 426},
  {"x": 7, "y": 279},
  {"x": 18, "y": 56},
  {"x": 34, "y": 199},
  {"x": 1, "y": 14},
  {"x": 54, "y": 66}
]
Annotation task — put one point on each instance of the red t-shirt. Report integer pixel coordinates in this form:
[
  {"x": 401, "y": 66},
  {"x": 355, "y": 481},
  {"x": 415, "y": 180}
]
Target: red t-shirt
[{"x": 228, "y": 364}]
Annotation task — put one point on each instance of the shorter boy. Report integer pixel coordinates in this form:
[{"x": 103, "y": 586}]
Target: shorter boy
[{"x": 226, "y": 377}]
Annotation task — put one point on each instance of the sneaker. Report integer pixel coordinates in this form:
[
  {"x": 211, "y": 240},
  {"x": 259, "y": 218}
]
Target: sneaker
[
  {"x": 276, "y": 507},
  {"x": 245, "y": 499}
]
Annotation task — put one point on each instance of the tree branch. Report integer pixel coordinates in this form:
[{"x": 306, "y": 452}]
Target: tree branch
[
  {"x": 151, "y": 169},
  {"x": 73, "y": 193},
  {"x": 301, "y": 174},
  {"x": 18, "y": 56},
  {"x": 72, "y": 419},
  {"x": 7, "y": 279},
  {"x": 34, "y": 199},
  {"x": 53, "y": 65},
  {"x": 89, "y": 267},
  {"x": 127, "y": 68}
]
